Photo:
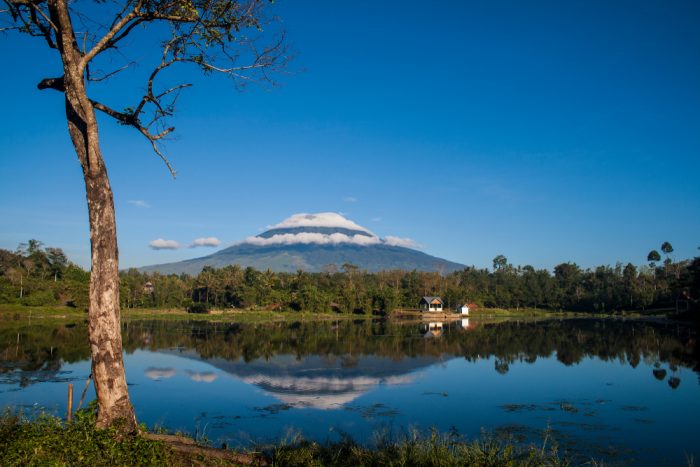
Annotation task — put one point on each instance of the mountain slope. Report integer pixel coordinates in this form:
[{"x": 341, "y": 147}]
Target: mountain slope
[{"x": 291, "y": 246}]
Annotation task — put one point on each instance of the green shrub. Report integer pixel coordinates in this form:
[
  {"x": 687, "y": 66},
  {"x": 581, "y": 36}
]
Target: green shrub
[{"x": 39, "y": 298}]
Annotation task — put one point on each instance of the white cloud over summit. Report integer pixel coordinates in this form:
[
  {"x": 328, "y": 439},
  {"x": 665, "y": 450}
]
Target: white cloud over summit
[
  {"x": 363, "y": 237},
  {"x": 321, "y": 219},
  {"x": 313, "y": 237},
  {"x": 326, "y": 219},
  {"x": 398, "y": 241}
]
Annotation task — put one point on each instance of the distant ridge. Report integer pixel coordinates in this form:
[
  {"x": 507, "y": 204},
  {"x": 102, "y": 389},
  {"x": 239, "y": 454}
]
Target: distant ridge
[{"x": 313, "y": 242}]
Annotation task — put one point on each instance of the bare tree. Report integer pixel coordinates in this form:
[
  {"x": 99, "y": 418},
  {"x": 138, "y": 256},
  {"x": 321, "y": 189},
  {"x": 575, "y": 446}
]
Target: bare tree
[{"x": 216, "y": 36}]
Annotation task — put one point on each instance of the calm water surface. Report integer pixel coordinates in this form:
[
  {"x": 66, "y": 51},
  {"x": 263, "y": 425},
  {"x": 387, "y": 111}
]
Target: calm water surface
[{"x": 620, "y": 391}]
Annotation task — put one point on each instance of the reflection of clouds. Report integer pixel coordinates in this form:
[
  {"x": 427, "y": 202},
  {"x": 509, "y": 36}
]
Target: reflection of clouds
[
  {"x": 202, "y": 377},
  {"x": 159, "y": 373},
  {"x": 321, "y": 392},
  {"x": 319, "y": 382}
]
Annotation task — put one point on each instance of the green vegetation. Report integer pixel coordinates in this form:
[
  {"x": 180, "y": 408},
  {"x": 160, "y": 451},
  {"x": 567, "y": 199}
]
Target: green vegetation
[
  {"x": 435, "y": 450},
  {"x": 36, "y": 276},
  {"x": 49, "y": 441}
]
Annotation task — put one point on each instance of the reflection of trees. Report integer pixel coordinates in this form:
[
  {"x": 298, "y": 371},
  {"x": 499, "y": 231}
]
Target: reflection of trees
[
  {"x": 501, "y": 366},
  {"x": 45, "y": 347},
  {"x": 40, "y": 350}
]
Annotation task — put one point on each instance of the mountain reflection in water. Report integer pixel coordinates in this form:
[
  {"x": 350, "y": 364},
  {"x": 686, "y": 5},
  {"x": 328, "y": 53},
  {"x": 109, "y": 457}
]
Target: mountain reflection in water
[
  {"x": 632, "y": 385},
  {"x": 322, "y": 382}
]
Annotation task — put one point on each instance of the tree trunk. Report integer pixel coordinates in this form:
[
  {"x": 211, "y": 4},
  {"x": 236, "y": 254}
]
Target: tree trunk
[{"x": 114, "y": 407}]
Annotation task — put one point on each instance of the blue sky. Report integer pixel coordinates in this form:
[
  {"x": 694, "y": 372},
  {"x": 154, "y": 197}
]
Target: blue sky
[{"x": 545, "y": 131}]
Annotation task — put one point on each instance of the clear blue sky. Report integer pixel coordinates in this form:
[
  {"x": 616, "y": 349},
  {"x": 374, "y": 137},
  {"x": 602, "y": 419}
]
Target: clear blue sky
[{"x": 547, "y": 131}]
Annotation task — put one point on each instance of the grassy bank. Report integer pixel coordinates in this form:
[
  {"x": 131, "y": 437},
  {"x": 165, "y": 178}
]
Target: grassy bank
[
  {"x": 49, "y": 441},
  {"x": 235, "y": 315},
  {"x": 23, "y": 314},
  {"x": 541, "y": 313},
  {"x": 20, "y": 313}
]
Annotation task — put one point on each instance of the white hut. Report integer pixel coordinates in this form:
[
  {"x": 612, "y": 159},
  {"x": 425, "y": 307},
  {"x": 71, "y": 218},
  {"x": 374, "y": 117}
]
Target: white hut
[
  {"x": 463, "y": 309},
  {"x": 431, "y": 304}
]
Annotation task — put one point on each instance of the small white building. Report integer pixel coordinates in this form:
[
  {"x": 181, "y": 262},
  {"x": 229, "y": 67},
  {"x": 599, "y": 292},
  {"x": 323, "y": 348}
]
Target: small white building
[
  {"x": 431, "y": 304},
  {"x": 463, "y": 309}
]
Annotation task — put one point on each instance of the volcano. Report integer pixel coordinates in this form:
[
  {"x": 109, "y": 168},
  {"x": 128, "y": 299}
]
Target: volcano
[{"x": 315, "y": 242}]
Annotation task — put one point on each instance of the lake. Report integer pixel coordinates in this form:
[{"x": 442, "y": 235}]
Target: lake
[{"x": 621, "y": 391}]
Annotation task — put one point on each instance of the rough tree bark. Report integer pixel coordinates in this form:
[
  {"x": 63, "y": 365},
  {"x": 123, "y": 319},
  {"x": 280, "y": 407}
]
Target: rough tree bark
[
  {"x": 114, "y": 406},
  {"x": 222, "y": 36}
]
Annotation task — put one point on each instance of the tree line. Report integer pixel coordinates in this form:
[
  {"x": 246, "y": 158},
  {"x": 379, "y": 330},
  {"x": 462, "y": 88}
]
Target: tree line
[{"x": 34, "y": 275}]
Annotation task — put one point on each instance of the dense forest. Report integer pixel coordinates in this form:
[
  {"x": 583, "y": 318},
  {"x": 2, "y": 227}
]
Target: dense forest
[{"x": 34, "y": 275}]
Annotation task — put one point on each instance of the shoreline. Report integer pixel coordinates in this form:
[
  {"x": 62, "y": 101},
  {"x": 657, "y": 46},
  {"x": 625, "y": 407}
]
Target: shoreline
[{"x": 10, "y": 313}]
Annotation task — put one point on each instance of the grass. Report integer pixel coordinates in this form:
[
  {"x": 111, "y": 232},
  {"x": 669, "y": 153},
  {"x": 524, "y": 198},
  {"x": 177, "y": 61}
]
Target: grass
[
  {"x": 9, "y": 313},
  {"x": 237, "y": 315},
  {"x": 40, "y": 311},
  {"x": 48, "y": 440},
  {"x": 417, "y": 450},
  {"x": 534, "y": 312}
]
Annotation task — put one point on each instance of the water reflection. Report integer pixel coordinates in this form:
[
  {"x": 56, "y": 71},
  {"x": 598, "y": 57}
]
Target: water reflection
[
  {"x": 595, "y": 383},
  {"x": 321, "y": 382},
  {"x": 202, "y": 376},
  {"x": 373, "y": 349},
  {"x": 157, "y": 374},
  {"x": 431, "y": 330}
]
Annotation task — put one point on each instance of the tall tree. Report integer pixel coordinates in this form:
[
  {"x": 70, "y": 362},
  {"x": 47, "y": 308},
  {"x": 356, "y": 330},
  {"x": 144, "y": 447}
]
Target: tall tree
[
  {"x": 221, "y": 36},
  {"x": 57, "y": 261},
  {"x": 500, "y": 262},
  {"x": 653, "y": 257}
]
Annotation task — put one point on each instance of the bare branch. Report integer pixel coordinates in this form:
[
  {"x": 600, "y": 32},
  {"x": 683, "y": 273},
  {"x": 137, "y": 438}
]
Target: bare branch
[
  {"x": 173, "y": 89},
  {"x": 43, "y": 15},
  {"x": 123, "y": 117},
  {"x": 106, "y": 76},
  {"x": 106, "y": 40},
  {"x": 163, "y": 158},
  {"x": 216, "y": 36},
  {"x": 132, "y": 120},
  {"x": 35, "y": 25}
]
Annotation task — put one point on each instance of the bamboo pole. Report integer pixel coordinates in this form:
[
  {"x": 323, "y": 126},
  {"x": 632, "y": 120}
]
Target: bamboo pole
[
  {"x": 82, "y": 397},
  {"x": 69, "y": 415}
]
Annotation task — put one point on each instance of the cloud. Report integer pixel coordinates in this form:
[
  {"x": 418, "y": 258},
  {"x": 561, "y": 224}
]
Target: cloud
[
  {"x": 398, "y": 241},
  {"x": 321, "y": 219},
  {"x": 205, "y": 241},
  {"x": 203, "y": 377},
  {"x": 313, "y": 237},
  {"x": 159, "y": 373},
  {"x": 326, "y": 219},
  {"x": 350, "y": 199},
  {"x": 162, "y": 244},
  {"x": 376, "y": 219},
  {"x": 139, "y": 203}
]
